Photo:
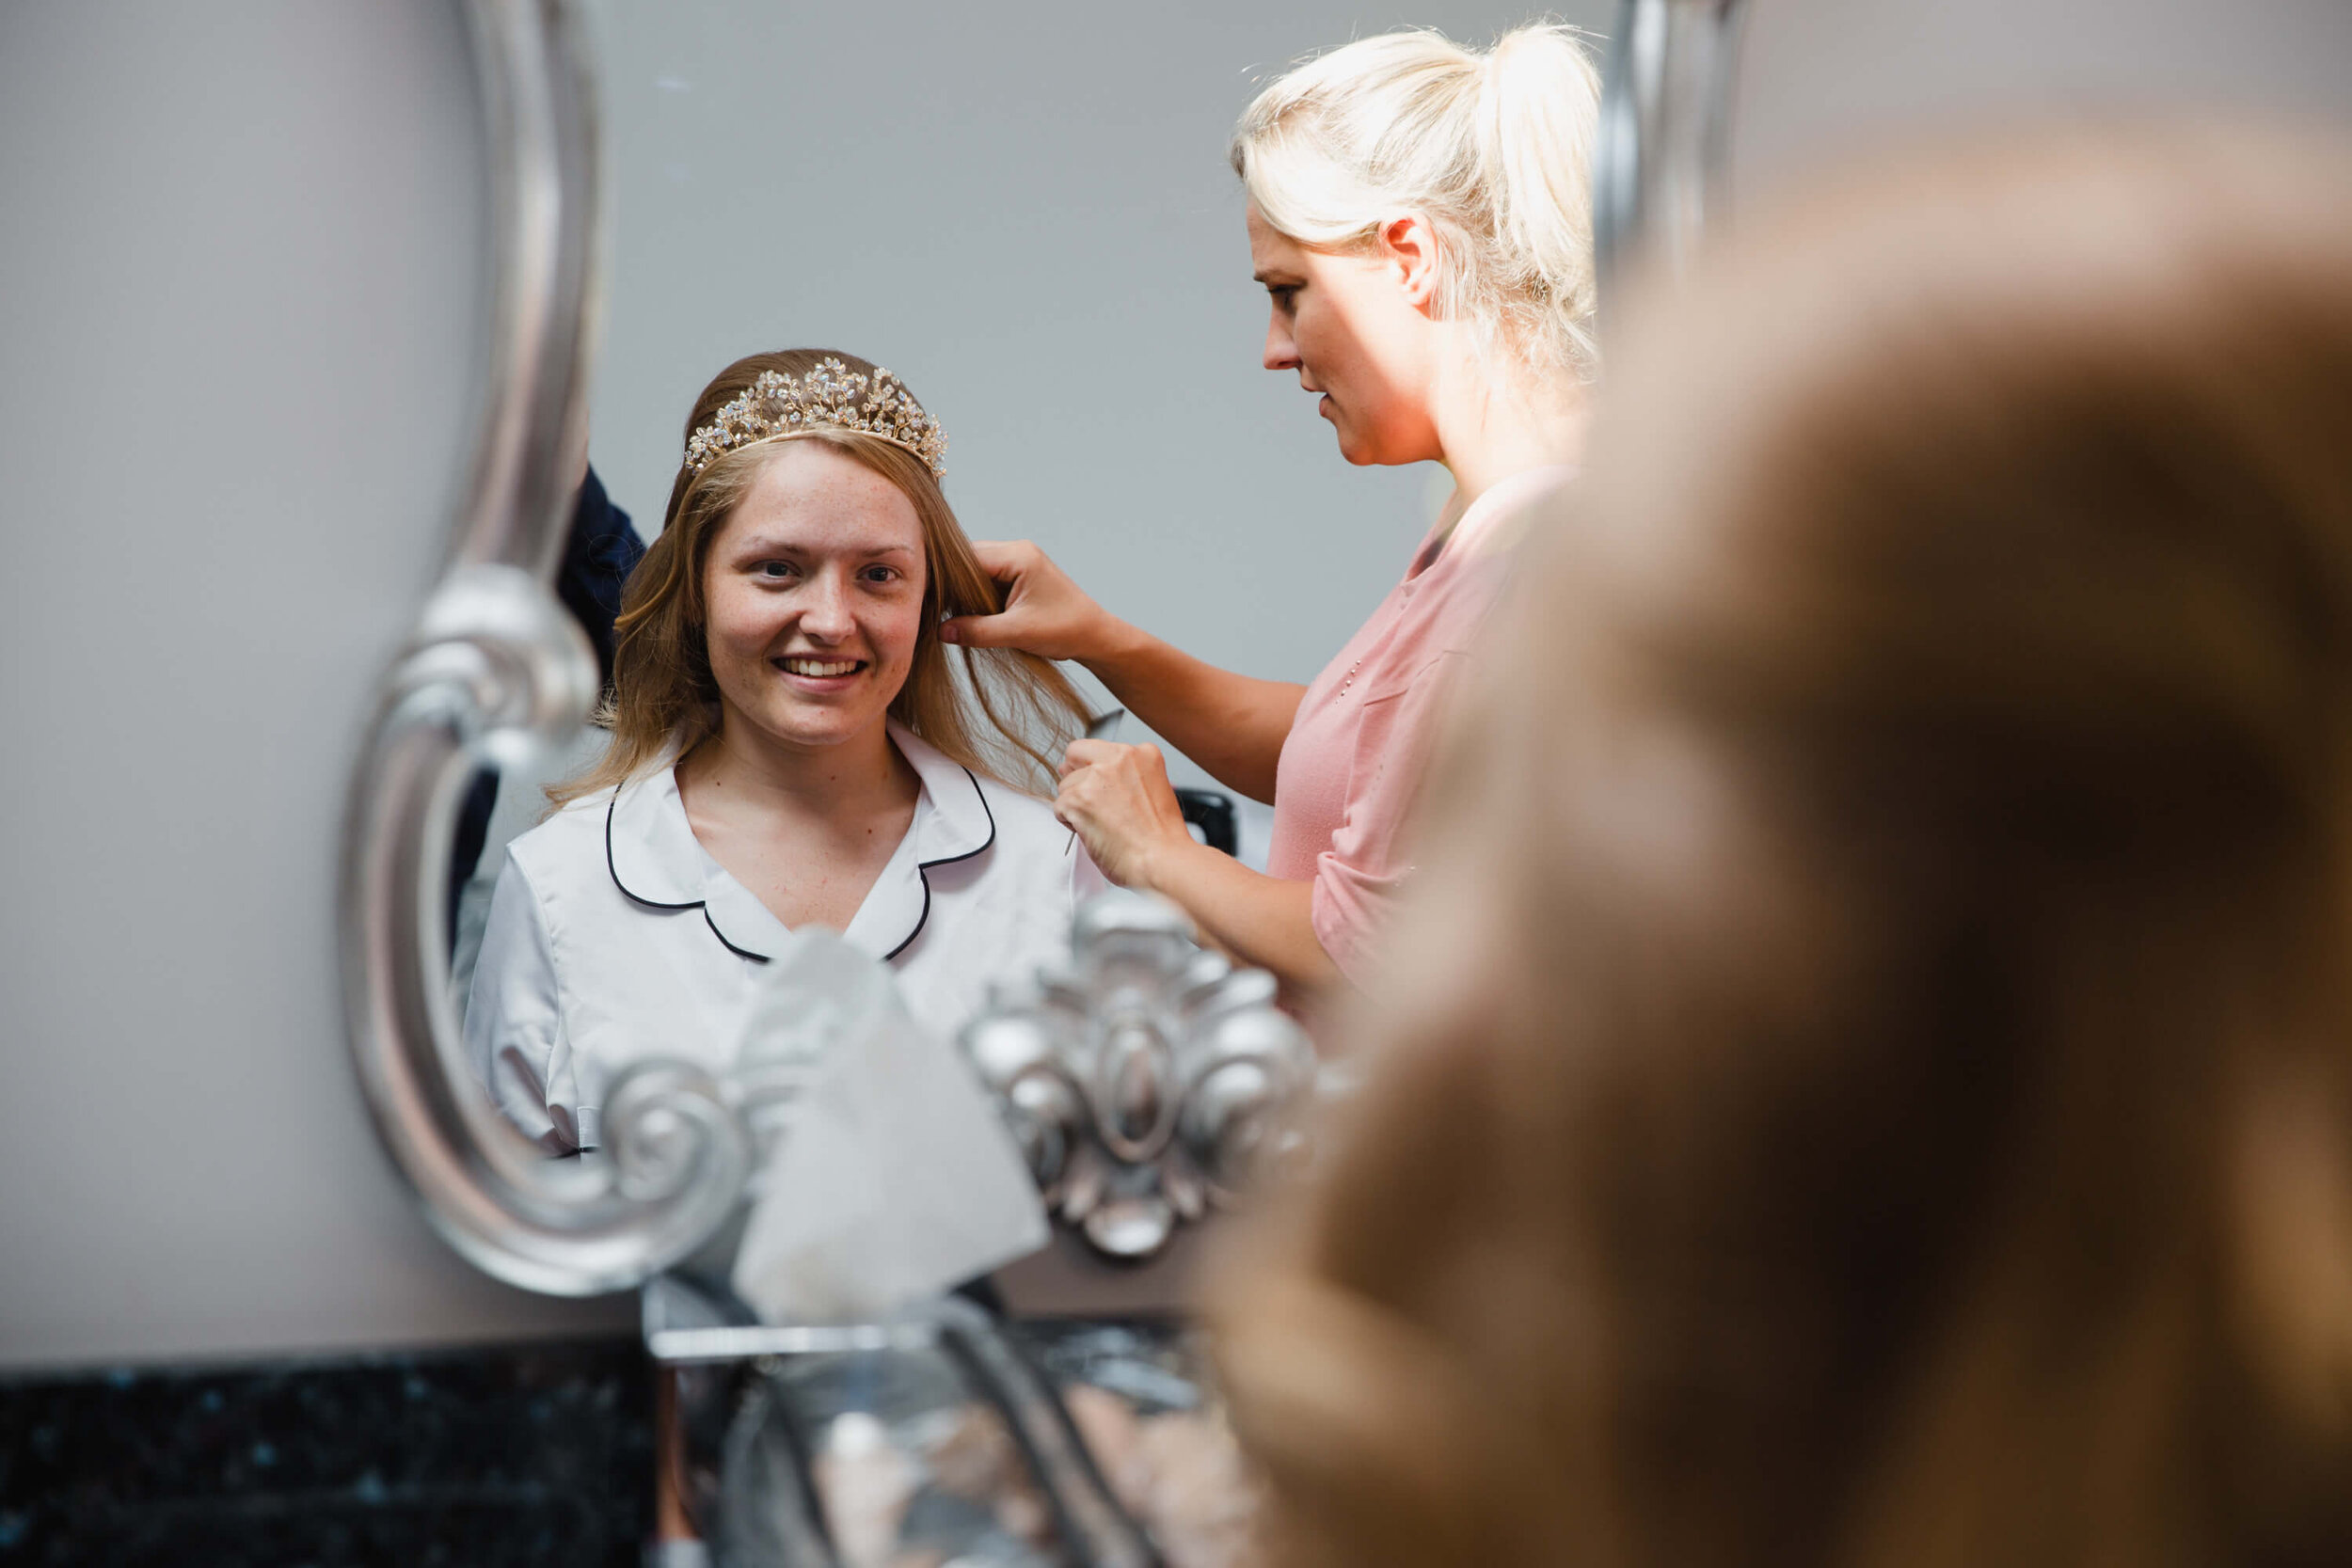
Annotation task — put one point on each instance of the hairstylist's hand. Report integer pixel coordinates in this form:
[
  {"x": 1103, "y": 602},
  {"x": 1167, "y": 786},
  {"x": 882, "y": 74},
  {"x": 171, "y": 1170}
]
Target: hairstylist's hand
[
  {"x": 1118, "y": 799},
  {"x": 1046, "y": 613}
]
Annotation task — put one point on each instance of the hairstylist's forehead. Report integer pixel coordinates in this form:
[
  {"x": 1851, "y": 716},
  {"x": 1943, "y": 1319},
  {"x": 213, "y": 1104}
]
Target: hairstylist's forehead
[{"x": 1270, "y": 250}]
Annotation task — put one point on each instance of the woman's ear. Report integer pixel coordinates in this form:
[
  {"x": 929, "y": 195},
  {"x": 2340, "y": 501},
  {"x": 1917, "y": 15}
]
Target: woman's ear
[{"x": 1410, "y": 245}]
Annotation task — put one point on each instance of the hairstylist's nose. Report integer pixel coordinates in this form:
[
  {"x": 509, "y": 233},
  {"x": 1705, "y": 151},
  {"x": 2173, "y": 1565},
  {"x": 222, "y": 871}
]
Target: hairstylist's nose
[{"x": 1281, "y": 352}]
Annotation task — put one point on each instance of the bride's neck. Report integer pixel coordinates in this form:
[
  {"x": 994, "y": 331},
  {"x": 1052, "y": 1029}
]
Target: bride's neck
[{"x": 749, "y": 767}]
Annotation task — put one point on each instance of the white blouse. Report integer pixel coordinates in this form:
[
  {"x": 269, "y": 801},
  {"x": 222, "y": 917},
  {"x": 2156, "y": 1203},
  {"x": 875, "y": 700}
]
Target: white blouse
[{"x": 613, "y": 936}]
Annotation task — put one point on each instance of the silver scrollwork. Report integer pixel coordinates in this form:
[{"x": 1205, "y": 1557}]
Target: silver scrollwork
[
  {"x": 495, "y": 669},
  {"x": 1147, "y": 1080}
]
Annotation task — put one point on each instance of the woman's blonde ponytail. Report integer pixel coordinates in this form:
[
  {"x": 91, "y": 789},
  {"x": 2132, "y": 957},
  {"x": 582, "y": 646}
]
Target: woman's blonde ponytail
[
  {"x": 1539, "y": 118},
  {"x": 1492, "y": 148}
]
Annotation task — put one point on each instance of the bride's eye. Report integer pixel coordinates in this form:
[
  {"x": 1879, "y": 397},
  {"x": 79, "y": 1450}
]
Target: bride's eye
[
  {"x": 881, "y": 574},
  {"x": 776, "y": 571}
]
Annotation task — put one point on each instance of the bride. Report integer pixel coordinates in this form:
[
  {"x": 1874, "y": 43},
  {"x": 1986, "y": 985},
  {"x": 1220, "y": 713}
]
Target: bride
[{"x": 791, "y": 746}]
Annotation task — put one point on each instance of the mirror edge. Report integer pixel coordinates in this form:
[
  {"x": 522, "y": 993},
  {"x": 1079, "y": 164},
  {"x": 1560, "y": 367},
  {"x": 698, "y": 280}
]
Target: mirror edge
[
  {"x": 1659, "y": 168},
  {"x": 495, "y": 669}
]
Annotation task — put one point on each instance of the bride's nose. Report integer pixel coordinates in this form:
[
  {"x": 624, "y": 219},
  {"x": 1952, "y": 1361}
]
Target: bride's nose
[{"x": 825, "y": 607}]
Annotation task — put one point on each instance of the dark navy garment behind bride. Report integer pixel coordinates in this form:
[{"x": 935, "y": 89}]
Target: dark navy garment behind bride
[{"x": 599, "y": 555}]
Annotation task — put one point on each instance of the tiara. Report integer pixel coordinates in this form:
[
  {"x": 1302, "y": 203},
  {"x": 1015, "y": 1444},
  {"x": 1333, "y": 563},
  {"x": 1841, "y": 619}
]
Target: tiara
[{"x": 777, "y": 407}]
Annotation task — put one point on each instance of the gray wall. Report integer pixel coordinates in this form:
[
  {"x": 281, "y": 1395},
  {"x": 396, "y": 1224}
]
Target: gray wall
[
  {"x": 240, "y": 287},
  {"x": 1826, "y": 79}
]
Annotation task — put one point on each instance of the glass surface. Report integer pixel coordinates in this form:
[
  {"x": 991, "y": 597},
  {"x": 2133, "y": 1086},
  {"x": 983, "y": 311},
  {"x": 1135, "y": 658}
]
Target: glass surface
[{"x": 897, "y": 1460}]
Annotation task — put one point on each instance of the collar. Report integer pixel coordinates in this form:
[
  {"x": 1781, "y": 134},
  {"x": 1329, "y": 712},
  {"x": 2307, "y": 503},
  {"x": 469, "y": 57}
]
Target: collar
[{"x": 658, "y": 863}]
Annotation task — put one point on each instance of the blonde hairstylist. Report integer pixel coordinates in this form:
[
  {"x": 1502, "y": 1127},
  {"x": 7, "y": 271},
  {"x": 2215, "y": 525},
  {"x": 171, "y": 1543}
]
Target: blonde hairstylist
[{"x": 1418, "y": 213}]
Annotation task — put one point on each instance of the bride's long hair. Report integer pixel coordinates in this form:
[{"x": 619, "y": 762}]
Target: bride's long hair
[{"x": 998, "y": 712}]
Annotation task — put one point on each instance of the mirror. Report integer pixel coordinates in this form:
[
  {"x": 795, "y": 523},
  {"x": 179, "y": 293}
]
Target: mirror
[
  {"x": 1046, "y": 242},
  {"x": 1063, "y": 257}
]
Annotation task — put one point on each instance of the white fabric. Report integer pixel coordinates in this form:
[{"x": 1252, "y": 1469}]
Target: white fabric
[{"x": 613, "y": 936}]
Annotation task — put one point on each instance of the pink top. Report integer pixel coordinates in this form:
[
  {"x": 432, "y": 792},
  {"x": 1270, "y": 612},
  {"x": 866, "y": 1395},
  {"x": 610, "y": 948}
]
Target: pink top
[{"x": 1354, "y": 758}]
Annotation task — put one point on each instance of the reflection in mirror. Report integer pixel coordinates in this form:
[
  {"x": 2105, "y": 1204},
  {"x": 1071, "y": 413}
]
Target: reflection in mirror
[
  {"x": 994, "y": 245},
  {"x": 827, "y": 706},
  {"x": 831, "y": 704}
]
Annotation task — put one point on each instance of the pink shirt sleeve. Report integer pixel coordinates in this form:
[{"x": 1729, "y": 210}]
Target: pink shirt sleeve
[{"x": 1360, "y": 877}]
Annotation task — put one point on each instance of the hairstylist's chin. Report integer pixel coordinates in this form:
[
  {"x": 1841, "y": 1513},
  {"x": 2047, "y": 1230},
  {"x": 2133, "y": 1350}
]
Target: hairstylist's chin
[
  {"x": 1329, "y": 411},
  {"x": 1357, "y": 446}
]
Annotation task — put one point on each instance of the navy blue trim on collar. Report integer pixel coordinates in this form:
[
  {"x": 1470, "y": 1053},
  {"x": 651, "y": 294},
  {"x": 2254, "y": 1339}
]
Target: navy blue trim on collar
[
  {"x": 739, "y": 952},
  {"x": 922, "y": 872},
  {"x": 922, "y": 868},
  {"x": 614, "y": 870}
]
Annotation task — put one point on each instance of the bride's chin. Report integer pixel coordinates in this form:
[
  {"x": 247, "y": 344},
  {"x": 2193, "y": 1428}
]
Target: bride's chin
[{"x": 820, "y": 723}]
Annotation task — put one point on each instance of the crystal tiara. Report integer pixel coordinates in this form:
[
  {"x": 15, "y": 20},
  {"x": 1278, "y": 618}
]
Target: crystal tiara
[{"x": 776, "y": 407}]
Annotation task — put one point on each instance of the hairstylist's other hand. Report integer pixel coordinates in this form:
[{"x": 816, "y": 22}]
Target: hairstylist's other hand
[
  {"x": 1118, "y": 800},
  {"x": 1046, "y": 613}
]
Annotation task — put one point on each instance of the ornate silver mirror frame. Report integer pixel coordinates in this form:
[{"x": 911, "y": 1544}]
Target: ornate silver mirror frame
[
  {"x": 496, "y": 668},
  {"x": 1146, "y": 1080}
]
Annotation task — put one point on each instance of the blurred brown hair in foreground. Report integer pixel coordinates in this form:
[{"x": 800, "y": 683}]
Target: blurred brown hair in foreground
[{"x": 1871, "y": 1080}]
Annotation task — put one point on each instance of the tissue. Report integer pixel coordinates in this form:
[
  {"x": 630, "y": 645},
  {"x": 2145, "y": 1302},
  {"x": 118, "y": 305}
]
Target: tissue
[{"x": 888, "y": 1174}]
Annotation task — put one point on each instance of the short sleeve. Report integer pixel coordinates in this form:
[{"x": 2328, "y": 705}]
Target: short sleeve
[
  {"x": 1360, "y": 877},
  {"x": 515, "y": 1035}
]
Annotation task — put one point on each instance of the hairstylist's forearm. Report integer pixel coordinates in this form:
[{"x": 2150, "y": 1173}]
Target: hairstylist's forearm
[
  {"x": 1233, "y": 726},
  {"x": 1263, "y": 921}
]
